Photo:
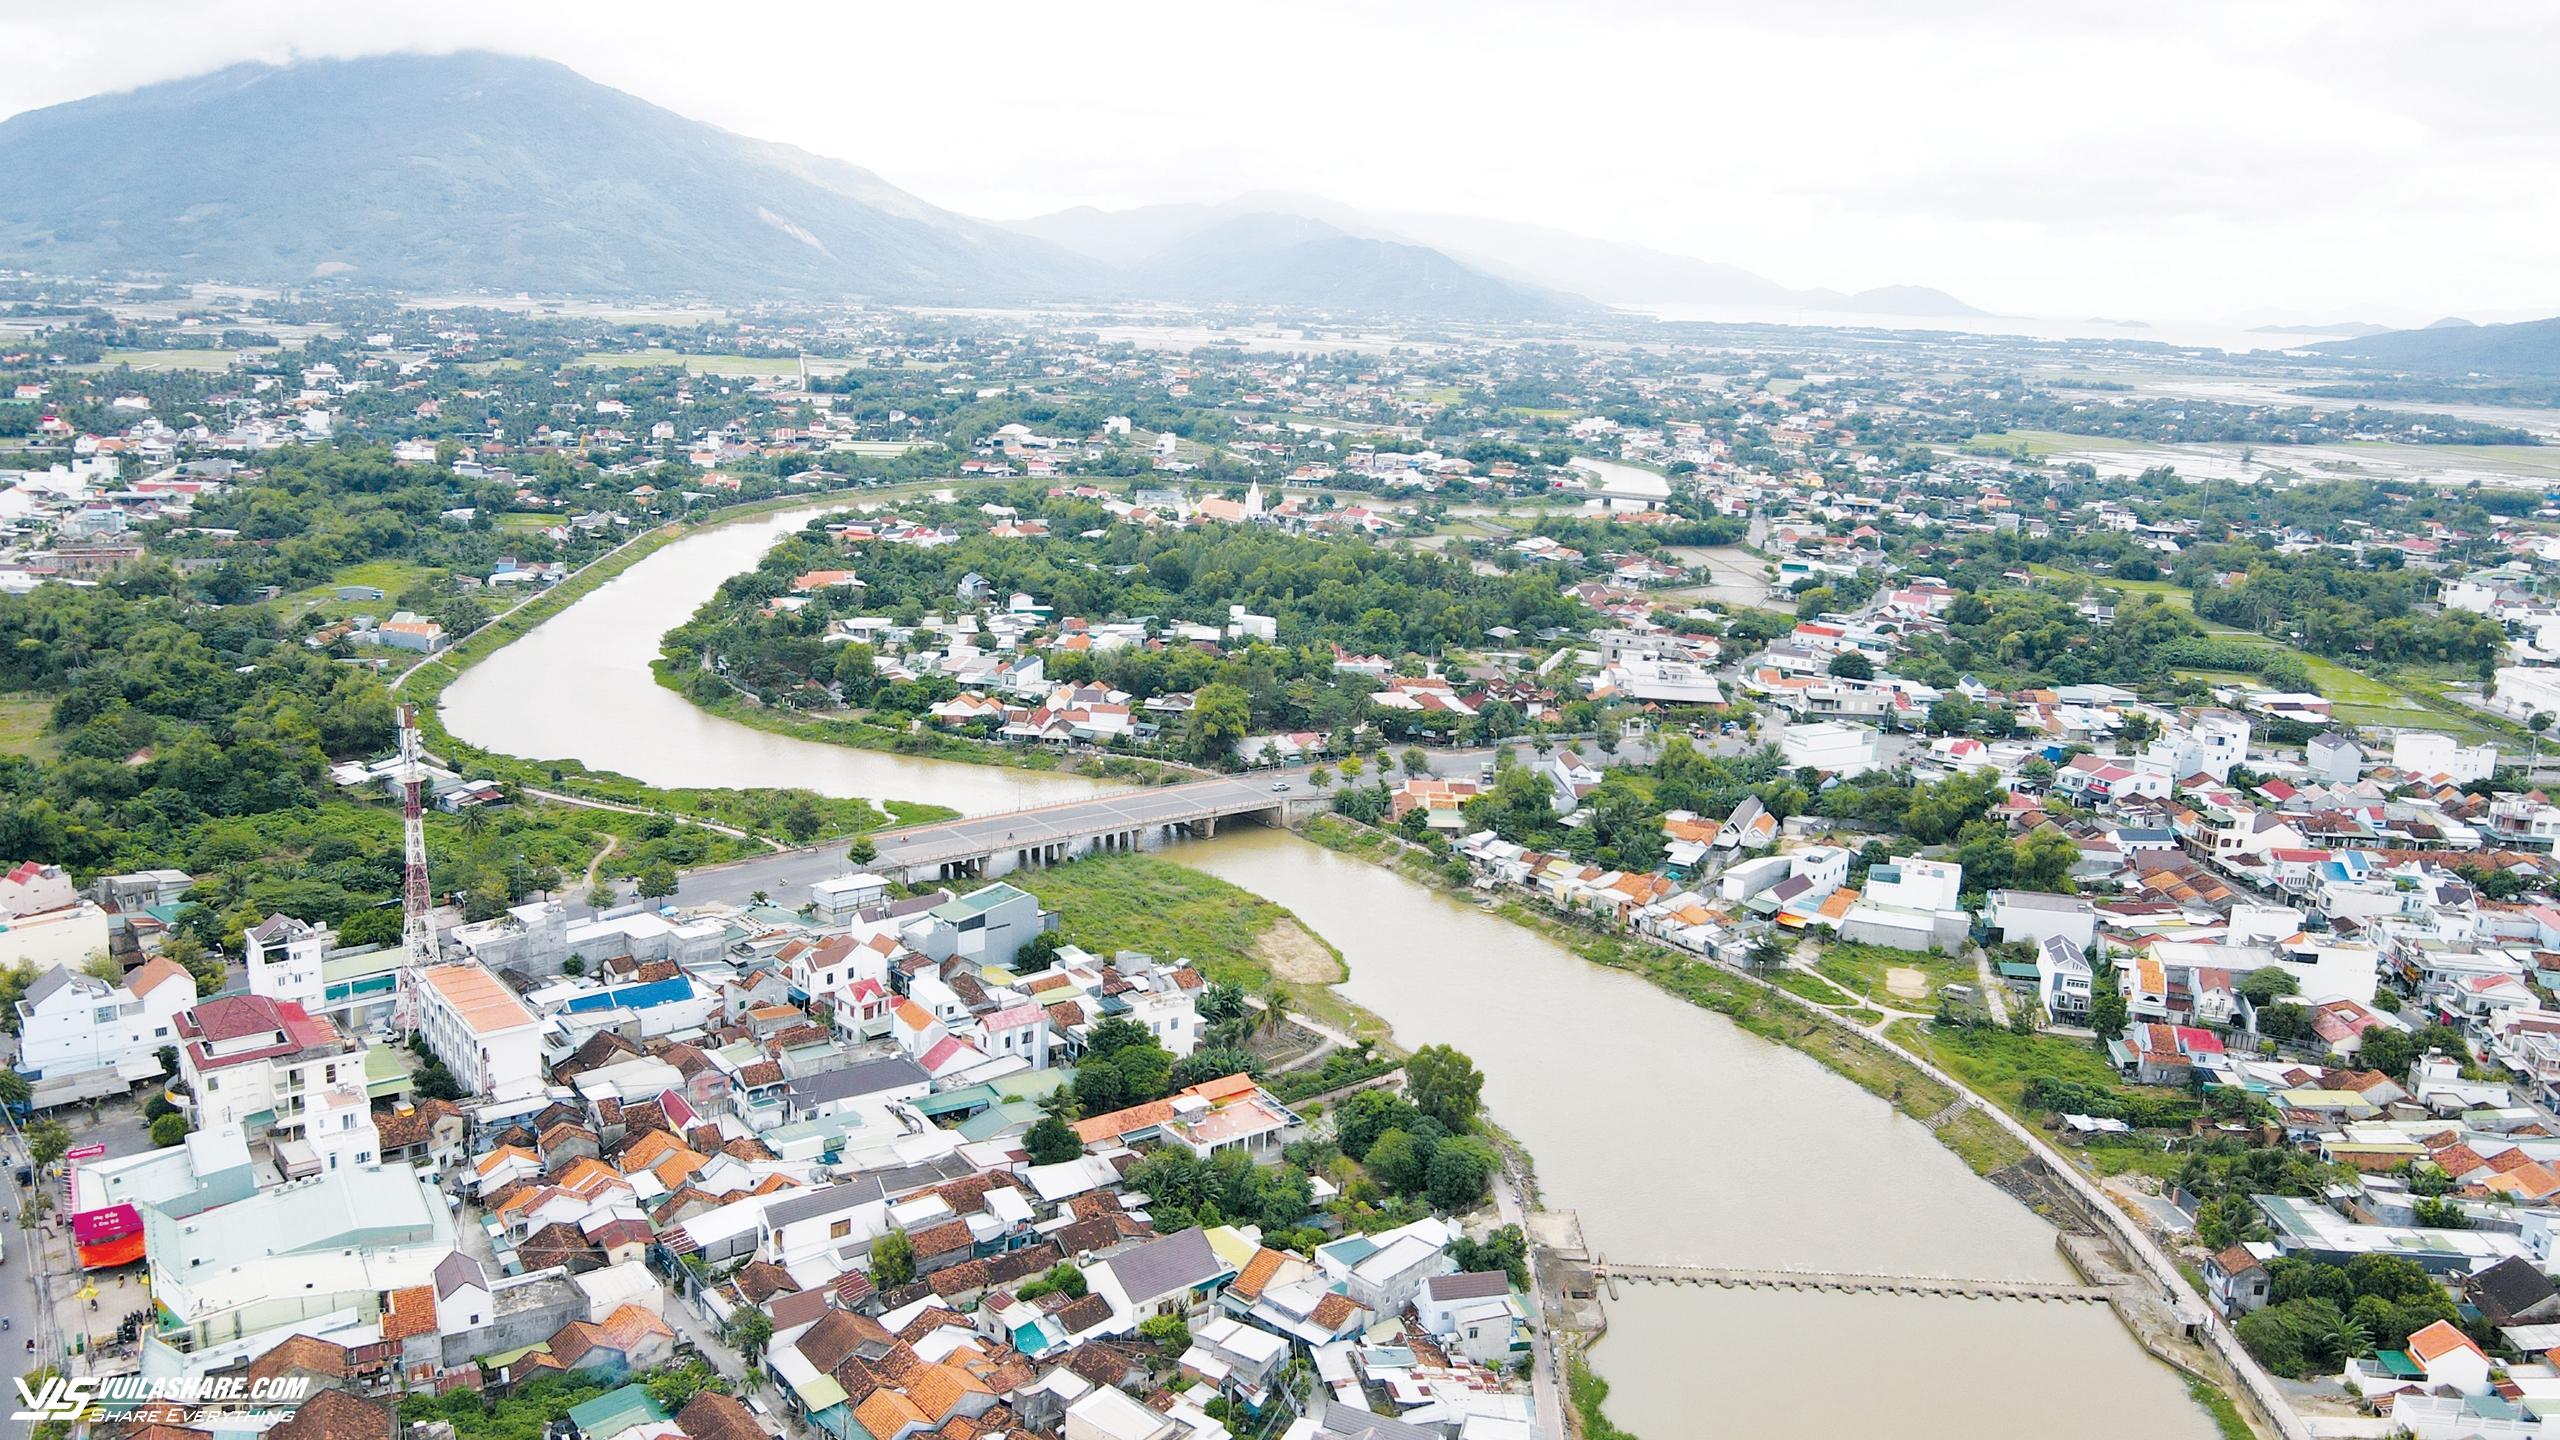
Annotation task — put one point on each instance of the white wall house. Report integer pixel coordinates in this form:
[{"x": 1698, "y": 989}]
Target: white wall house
[
  {"x": 1832, "y": 748},
  {"x": 254, "y": 1063},
  {"x": 2425, "y": 752},
  {"x": 69, "y": 1021}
]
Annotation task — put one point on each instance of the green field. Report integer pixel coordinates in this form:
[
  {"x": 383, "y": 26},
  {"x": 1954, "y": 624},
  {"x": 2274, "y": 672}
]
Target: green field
[
  {"x": 527, "y": 520},
  {"x": 391, "y": 577},
  {"x": 22, "y": 726},
  {"x": 171, "y": 359},
  {"x": 2040, "y": 443},
  {"x": 1172, "y": 912},
  {"x": 741, "y": 365}
]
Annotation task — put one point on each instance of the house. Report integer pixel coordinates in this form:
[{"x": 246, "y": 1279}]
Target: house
[
  {"x": 1475, "y": 1314},
  {"x": 260, "y": 1064},
  {"x": 2449, "y": 1359},
  {"x": 1178, "y": 1274},
  {"x": 2032, "y": 917},
  {"x": 2063, "y": 978},
  {"x": 1230, "y": 1113},
  {"x": 2512, "y": 1292},
  {"x": 1830, "y": 747},
  {"x": 2237, "y": 1280},
  {"x": 70, "y": 1021}
]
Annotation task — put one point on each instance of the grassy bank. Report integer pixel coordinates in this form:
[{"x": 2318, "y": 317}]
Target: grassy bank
[
  {"x": 1763, "y": 1009},
  {"x": 762, "y": 812},
  {"x": 1170, "y": 911},
  {"x": 1588, "y": 1394}
]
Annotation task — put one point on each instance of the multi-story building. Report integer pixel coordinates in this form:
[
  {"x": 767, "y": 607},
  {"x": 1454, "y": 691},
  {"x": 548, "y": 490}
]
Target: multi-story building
[
  {"x": 70, "y": 1021},
  {"x": 487, "y": 1037},
  {"x": 255, "y": 1062}
]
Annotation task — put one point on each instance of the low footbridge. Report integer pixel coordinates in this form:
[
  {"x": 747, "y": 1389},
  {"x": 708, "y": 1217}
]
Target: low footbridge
[{"x": 1609, "y": 1271}]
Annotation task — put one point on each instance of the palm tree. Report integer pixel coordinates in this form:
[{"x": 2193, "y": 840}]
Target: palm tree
[
  {"x": 1275, "y": 1006},
  {"x": 758, "y": 898},
  {"x": 474, "y": 822}
]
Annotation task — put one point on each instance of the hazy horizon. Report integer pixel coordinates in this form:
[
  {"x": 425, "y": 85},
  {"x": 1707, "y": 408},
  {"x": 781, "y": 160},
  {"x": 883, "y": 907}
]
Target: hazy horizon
[{"x": 2253, "y": 163}]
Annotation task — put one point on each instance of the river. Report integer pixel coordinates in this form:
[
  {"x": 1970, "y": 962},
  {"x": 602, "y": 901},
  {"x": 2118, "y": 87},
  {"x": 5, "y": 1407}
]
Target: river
[
  {"x": 579, "y": 686},
  {"x": 1675, "y": 1135}
]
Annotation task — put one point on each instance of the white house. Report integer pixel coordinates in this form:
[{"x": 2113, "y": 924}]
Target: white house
[
  {"x": 1830, "y": 747},
  {"x": 70, "y": 1021},
  {"x": 2032, "y": 916},
  {"x": 2426, "y": 752},
  {"x": 284, "y": 956},
  {"x": 44, "y": 922},
  {"x": 253, "y": 1063}
]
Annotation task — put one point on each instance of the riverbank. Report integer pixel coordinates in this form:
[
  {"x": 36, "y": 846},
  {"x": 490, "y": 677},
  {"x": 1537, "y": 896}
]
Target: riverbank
[
  {"x": 1765, "y": 1008},
  {"x": 1994, "y": 1145},
  {"x": 777, "y": 816}
]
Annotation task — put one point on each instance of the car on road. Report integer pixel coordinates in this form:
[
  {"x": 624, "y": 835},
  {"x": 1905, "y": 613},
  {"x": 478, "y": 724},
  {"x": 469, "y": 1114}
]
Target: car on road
[{"x": 1279, "y": 785}]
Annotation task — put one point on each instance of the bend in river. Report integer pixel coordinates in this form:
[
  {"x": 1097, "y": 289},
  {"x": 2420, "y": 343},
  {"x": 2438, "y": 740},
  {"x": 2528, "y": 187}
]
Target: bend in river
[
  {"x": 1674, "y": 1134},
  {"x": 579, "y": 686}
]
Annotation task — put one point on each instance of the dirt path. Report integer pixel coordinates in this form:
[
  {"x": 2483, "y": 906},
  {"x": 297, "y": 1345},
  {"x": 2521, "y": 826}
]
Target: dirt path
[
  {"x": 612, "y": 842},
  {"x": 1296, "y": 956}
]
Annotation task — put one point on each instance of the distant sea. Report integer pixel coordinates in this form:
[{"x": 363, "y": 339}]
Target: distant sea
[{"x": 2207, "y": 334}]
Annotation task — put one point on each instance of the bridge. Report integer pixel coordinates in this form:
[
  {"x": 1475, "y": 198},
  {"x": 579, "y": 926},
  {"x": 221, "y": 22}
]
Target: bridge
[
  {"x": 986, "y": 846},
  {"x": 1608, "y": 1272}
]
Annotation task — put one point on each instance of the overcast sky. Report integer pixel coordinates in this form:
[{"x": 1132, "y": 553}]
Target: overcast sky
[{"x": 2168, "y": 160}]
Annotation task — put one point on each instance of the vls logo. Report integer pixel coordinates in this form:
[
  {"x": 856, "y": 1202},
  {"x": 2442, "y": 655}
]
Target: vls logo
[{"x": 61, "y": 1397}]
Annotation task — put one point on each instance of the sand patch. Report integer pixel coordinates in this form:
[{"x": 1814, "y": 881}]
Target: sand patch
[
  {"x": 1296, "y": 956},
  {"x": 1905, "y": 983}
]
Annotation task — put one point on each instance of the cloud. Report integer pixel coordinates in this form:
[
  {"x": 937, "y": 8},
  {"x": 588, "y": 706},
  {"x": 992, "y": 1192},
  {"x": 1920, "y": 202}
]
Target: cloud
[{"x": 2174, "y": 159}]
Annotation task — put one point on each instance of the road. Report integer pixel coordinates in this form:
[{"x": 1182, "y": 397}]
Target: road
[{"x": 24, "y": 1285}]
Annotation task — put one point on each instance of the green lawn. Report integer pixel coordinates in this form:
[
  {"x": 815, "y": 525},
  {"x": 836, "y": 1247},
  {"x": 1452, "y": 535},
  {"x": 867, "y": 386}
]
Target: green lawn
[
  {"x": 1997, "y": 1064},
  {"x": 527, "y": 520},
  {"x": 743, "y": 365},
  {"x": 1138, "y": 902},
  {"x": 391, "y": 577},
  {"x": 22, "y": 726},
  {"x": 1865, "y": 968},
  {"x": 173, "y": 359}
]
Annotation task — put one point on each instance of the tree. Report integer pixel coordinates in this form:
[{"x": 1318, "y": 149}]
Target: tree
[
  {"x": 893, "y": 1260},
  {"x": 1445, "y": 1085},
  {"x": 1051, "y": 1141},
  {"x": 750, "y": 1331},
  {"x": 2268, "y": 983},
  {"x": 672, "y": 1386},
  {"x": 2043, "y": 860},
  {"x": 657, "y": 880},
  {"x": 103, "y": 966},
  {"x": 1414, "y": 761},
  {"x": 1037, "y": 953},
  {"x": 1320, "y": 777},
  {"x": 1171, "y": 1334},
  {"x": 1401, "y": 1161},
  {"x": 1221, "y": 713},
  {"x": 2389, "y": 1050},
  {"x": 862, "y": 851},
  {"x": 2107, "y": 1011},
  {"x": 434, "y": 1082},
  {"x": 601, "y": 896},
  {"x": 15, "y": 1091},
  {"x": 1852, "y": 665},
  {"x": 168, "y": 1130},
  {"x": 801, "y": 820},
  {"x": 1459, "y": 1172},
  {"x": 47, "y": 1140},
  {"x": 1768, "y": 952}
]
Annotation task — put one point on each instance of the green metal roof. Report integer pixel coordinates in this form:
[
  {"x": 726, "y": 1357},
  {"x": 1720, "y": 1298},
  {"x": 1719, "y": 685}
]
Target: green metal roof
[{"x": 615, "y": 1411}]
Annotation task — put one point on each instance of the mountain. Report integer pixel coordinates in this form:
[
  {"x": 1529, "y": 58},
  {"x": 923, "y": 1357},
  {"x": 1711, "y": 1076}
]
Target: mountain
[
  {"x": 1293, "y": 261},
  {"x": 1243, "y": 255},
  {"x": 1539, "y": 256},
  {"x": 474, "y": 171},
  {"x": 2529, "y": 347}
]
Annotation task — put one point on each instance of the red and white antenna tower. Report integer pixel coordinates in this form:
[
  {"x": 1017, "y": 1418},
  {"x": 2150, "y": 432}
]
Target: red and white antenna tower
[{"x": 417, "y": 935}]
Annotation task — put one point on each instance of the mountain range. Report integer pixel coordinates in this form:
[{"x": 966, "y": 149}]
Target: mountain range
[
  {"x": 479, "y": 172},
  {"x": 2454, "y": 346}
]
